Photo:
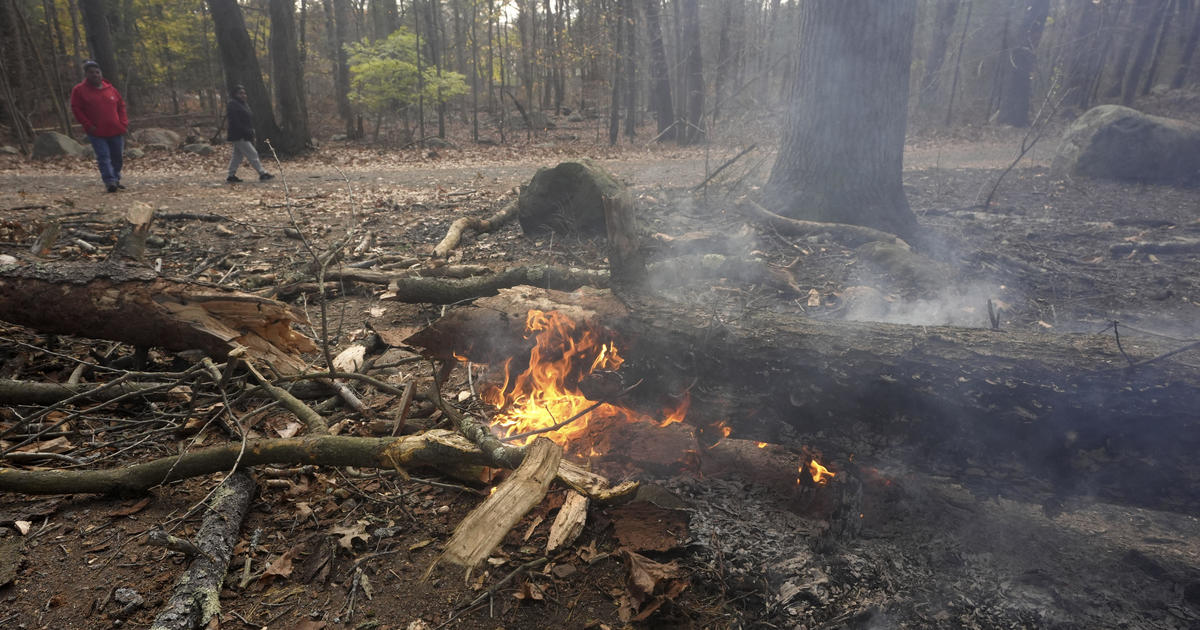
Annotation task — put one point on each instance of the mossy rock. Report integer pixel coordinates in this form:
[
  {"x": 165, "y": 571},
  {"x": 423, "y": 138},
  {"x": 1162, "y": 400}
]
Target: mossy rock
[{"x": 568, "y": 199}]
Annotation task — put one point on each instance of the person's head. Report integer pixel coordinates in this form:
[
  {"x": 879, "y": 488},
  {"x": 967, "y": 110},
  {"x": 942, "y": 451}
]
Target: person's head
[
  {"x": 239, "y": 92},
  {"x": 92, "y": 73}
]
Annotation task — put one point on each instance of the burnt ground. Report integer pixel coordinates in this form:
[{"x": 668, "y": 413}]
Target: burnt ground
[{"x": 1070, "y": 256}]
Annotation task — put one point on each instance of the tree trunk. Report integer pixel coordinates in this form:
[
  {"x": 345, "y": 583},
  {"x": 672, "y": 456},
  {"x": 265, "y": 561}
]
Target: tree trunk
[
  {"x": 1083, "y": 57},
  {"x": 289, "y": 80},
  {"x": 1018, "y": 81},
  {"x": 630, "y": 72},
  {"x": 1164, "y": 28},
  {"x": 943, "y": 26},
  {"x": 1189, "y": 52},
  {"x": 693, "y": 69},
  {"x": 99, "y": 37},
  {"x": 1059, "y": 414},
  {"x": 660, "y": 93},
  {"x": 842, "y": 151},
  {"x": 1149, "y": 22},
  {"x": 241, "y": 66},
  {"x": 337, "y": 22},
  {"x": 618, "y": 38}
]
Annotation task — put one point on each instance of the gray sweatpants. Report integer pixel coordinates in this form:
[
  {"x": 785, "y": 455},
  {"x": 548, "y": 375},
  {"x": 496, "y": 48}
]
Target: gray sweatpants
[{"x": 244, "y": 149}]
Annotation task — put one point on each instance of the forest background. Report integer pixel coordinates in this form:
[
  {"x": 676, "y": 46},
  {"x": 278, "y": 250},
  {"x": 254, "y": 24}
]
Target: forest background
[{"x": 492, "y": 71}]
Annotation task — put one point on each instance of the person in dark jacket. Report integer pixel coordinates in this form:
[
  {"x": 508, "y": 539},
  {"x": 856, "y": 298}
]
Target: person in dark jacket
[
  {"x": 99, "y": 108},
  {"x": 241, "y": 134}
]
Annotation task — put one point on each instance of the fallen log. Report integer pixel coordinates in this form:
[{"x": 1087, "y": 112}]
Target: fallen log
[
  {"x": 133, "y": 305},
  {"x": 196, "y": 598},
  {"x": 1051, "y": 414},
  {"x": 435, "y": 448},
  {"x": 460, "y": 225}
]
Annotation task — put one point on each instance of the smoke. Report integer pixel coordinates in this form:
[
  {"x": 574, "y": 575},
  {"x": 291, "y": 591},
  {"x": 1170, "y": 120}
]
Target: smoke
[{"x": 953, "y": 306}]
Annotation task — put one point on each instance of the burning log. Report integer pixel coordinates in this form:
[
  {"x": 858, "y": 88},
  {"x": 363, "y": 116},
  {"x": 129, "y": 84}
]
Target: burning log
[
  {"x": 1036, "y": 412},
  {"x": 130, "y": 304}
]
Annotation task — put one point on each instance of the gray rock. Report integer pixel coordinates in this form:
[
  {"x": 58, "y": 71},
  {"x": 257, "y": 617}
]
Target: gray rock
[
  {"x": 156, "y": 135},
  {"x": 154, "y": 146},
  {"x": 1114, "y": 142},
  {"x": 568, "y": 198},
  {"x": 9, "y": 150},
  {"x": 51, "y": 144},
  {"x": 198, "y": 148},
  {"x": 134, "y": 152}
]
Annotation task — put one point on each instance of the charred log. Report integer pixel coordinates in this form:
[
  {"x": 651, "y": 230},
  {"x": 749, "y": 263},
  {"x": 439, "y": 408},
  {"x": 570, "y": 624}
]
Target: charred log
[{"x": 1042, "y": 413}]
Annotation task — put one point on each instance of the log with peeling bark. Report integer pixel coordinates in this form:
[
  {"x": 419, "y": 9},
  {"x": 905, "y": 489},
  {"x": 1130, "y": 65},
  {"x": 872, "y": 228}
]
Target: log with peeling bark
[
  {"x": 454, "y": 234},
  {"x": 196, "y": 598},
  {"x": 133, "y": 305},
  {"x": 1043, "y": 413}
]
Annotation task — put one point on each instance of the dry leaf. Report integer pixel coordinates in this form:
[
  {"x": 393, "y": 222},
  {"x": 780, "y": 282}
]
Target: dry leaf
[
  {"x": 814, "y": 297},
  {"x": 132, "y": 509},
  {"x": 650, "y": 584},
  {"x": 348, "y": 534},
  {"x": 281, "y": 566},
  {"x": 23, "y": 526}
]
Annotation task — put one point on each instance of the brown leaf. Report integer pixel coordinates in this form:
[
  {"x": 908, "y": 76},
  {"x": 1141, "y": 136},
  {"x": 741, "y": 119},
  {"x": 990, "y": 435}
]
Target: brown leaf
[
  {"x": 650, "y": 584},
  {"x": 132, "y": 509},
  {"x": 348, "y": 534},
  {"x": 282, "y": 566}
]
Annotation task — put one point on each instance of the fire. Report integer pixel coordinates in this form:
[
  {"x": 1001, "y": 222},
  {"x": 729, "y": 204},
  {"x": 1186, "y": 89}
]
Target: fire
[
  {"x": 547, "y": 392},
  {"x": 820, "y": 474}
]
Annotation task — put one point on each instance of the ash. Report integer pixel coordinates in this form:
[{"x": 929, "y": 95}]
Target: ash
[{"x": 932, "y": 555}]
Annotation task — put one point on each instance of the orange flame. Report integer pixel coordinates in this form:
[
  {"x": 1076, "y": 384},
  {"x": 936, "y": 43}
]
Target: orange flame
[
  {"x": 820, "y": 474},
  {"x": 547, "y": 392}
]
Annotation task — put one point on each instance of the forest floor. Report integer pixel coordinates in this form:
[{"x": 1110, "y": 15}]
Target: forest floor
[{"x": 1070, "y": 256}]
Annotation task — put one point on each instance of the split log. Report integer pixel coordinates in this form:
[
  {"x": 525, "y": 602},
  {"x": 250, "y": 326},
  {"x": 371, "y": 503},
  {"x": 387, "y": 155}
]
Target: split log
[
  {"x": 481, "y": 531},
  {"x": 438, "y": 291},
  {"x": 131, "y": 304},
  {"x": 196, "y": 599},
  {"x": 567, "y": 526},
  {"x": 1049, "y": 414}
]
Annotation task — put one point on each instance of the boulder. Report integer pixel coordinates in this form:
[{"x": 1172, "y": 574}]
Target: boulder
[
  {"x": 1114, "y": 142},
  {"x": 51, "y": 144},
  {"x": 156, "y": 135},
  {"x": 9, "y": 150},
  {"x": 134, "y": 152},
  {"x": 439, "y": 143},
  {"x": 198, "y": 148},
  {"x": 568, "y": 198}
]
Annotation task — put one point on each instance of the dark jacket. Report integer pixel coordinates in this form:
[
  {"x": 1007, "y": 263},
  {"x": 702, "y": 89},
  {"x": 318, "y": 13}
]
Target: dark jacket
[{"x": 241, "y": 121}]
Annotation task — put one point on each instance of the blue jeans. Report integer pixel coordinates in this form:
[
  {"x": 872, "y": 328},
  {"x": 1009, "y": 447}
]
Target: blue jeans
[{"x": 110, "y": 156}]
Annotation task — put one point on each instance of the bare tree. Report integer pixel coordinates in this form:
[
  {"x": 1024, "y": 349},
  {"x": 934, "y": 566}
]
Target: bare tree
[{"x": 288, "y": 78}]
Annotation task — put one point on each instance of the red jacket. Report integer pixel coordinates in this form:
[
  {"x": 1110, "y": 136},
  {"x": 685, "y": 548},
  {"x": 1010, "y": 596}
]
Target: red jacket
[{"x": 100, "y": 110}]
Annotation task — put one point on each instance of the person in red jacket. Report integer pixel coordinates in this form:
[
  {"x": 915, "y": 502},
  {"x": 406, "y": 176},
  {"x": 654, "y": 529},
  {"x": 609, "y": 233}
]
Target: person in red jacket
[{"x": 98, "y": 106}]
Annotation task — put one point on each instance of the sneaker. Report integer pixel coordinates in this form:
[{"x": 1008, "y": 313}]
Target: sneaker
[
  {"x": 262, "y": 177},
  {"x": 233, "y": 179},
  {"x": 112, "y": 188}
]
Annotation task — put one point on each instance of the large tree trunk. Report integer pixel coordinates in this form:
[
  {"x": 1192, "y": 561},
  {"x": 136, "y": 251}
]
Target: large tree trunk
[
  {"x": 660, "y": 93},
  {"x": 289, "y": 79},
  {"x": 1030, "y": 411},
  {"x": 1189, "y": 51},
  {"x": 842, "y": 151},
  {"x": 241, "y": 66},
  {"x": 1018, "y": 72},
  {"x": 1151, "y": 26}
]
